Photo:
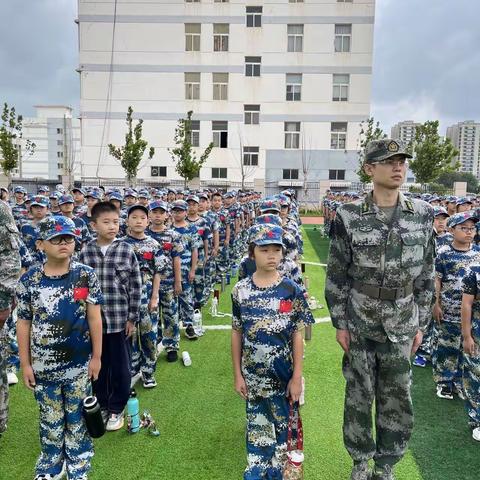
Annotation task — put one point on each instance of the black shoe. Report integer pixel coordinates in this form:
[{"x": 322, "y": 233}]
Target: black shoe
[
  {"x": 172, "y": 356},
  {"x": 190, "y": 333},
  {"x": 445, "y": 391}
]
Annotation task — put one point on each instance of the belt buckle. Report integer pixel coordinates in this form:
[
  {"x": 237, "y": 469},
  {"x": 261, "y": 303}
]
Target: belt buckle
[{"x": 387, "y": 294}]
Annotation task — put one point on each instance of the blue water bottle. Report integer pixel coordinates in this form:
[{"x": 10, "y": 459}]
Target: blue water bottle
[{"x": 133, "y": 413}]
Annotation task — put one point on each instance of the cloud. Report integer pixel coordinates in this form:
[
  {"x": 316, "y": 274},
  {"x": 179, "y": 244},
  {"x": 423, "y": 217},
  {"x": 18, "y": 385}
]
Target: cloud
[{"x": 426, "y": 61}]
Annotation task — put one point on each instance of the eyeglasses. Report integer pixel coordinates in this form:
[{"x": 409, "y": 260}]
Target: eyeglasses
[
  {"x": 467, "y": 229},
  {"x": 393, "y": 162},
  {"x": 62, "y": 239}
]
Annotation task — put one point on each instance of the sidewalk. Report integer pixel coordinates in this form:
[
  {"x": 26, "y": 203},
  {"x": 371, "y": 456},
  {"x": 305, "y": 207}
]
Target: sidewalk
[{"x": 312, "y": 220}]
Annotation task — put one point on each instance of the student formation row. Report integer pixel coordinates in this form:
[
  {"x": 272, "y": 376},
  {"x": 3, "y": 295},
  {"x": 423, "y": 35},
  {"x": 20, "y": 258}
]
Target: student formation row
[
  {"x": 150, "y": 263},
  {"x": 451, "y": 344}
]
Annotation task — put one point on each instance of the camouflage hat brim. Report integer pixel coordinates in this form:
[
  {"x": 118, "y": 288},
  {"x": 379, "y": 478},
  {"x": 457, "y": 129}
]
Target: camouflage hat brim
[
  {"x": 373, "y": 159},
  {"x": 59, "y": 234}
]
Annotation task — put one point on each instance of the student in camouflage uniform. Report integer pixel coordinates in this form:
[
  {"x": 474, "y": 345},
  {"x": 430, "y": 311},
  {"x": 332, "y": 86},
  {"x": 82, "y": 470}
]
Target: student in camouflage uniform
[
  {"x": 222, "y": 262},
  {"x": 9, "y": 272},
  {"x": 269, "y": 313},
  {"x": 60, "y": 341},
  {"x": 451, "y": 264},
  {"x": 379, "y": 291},
  {"x": 470, "y": 314}
]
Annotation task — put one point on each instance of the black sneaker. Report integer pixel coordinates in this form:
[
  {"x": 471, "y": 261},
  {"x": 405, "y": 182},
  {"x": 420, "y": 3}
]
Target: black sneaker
[
  {"x": 190, "y": 333},
  {"x": 172, "y": 356},
  {"x": 149, "y": 381},
  {"x": 445, "y": 391}
]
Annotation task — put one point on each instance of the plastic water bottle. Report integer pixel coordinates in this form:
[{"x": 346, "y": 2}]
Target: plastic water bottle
[
  {"x": 223, "y": 283},
  {"x": 214, "y": 310},
  {"x": 133, "y": 413},
  {"x": 228, "y": 278},
  {"x": 197, "y": 322},
  {"x": 187, "y": 361},
  {"x": 301, "y": 400},
  {"x": 234, "y": 270}
]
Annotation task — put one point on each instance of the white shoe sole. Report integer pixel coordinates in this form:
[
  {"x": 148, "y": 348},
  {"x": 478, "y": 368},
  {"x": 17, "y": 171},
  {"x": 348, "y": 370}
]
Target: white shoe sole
[
  {"x": 12, "y": 378},
  {"x": 116, "y": 426},
  {"x": 476, "y": 434}
]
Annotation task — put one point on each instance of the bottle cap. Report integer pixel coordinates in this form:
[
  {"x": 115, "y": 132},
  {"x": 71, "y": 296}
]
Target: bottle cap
[
  {"x": 133, "y": 393},
  {"x": 90, "y": 401},
  {"x": 296, "y": 456}
]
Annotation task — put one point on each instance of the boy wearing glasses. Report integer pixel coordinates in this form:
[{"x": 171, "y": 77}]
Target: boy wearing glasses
[
  {"x": 451, "y": 264},
  {"x": 59, "y": 333}
]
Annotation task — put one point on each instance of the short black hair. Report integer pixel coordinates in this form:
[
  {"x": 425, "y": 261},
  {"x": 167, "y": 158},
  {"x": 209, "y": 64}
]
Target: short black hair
[
  {"x": 216, "y": 194},
  {"x": 102, "y": 207}
]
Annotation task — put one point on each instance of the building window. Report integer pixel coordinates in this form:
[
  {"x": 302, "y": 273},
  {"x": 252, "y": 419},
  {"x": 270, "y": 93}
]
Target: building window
[
  {"x": 343, "y": 37},
  {"x": 220, "y": 134},
  {"x": 344, "y": 1},
  {"x": 59, "y": 142},
  {"x": 219, "y": 172},
  {"x": 195, "y": 133},
  {"x": 336, "y": 174},
  {"x": 220, "y": 1},
  {"x": 220, "y": 37},
  {"x": 192, "y": 37},
  {"x": 292, "y": 134},
  {"x": 295, "y": 38},
  {"x": 290, "y": 173},
  {"x": 294, "y": 87},
  {"x": 250, "y": 156},
  {"x": 252, "y": 114},
  {"x": 59, "y": 154},
  {"x": 59, "y": 131},
  {"x": 220, "y": 86},
  {"x": 341, "y": 84},
  {"x": 60, "y": 166},
  {"x": 254, "y": 16},
  {"x": 192, "y": 86},
  {"x": 192, "y": 1},
  {"x": 295, "y": 1},
  {"x": 158, "y": 171},
  {"x": 252, "y": 66},
  {"x": 338, "y": 135}
]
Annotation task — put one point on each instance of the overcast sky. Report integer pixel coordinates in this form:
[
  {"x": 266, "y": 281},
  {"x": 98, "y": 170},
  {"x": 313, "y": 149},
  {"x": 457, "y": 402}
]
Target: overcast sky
[{"x": 426, "y": 58}]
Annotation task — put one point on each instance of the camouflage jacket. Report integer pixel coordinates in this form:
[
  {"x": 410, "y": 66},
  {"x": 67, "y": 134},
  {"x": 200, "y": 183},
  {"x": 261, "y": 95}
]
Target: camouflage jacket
[
  {"x": 368, "y": 249},
  {"x": 9, "y": 256}
]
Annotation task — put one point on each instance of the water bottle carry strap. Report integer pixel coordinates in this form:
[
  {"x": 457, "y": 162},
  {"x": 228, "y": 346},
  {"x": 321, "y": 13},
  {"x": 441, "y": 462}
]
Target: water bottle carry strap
[{"x": 294, "y": 417}]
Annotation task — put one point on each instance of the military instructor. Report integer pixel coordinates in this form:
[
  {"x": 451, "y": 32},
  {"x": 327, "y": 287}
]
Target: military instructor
[
  {"x": 379, "y": 289},
  {"x": 9, "y": 272}
]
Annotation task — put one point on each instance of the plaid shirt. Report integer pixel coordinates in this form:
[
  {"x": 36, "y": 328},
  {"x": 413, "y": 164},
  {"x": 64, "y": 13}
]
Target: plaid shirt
[{"x": 120, "y": 280}]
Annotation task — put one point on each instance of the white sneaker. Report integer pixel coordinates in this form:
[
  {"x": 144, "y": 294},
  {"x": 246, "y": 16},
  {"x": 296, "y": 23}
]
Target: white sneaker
[
  {"x": 115, "y": 422},
  {"x": 12, "y": 378},
  {"x": 49, "y": 476},
  {"x": 476, "y": 434}
]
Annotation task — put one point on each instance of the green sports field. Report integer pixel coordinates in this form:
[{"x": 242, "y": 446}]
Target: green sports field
[{"x": 201, "y": 419}]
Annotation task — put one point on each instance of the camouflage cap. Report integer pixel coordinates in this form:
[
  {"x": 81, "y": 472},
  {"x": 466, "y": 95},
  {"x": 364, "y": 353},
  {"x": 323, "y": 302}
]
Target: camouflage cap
[
  {"x": 460, "y": 218},
  {"x": 269, "y": 218},
  {"x": 158, "y": 204},
  {"x": 437, "y": 211},
  {"x": 39, "y": 201},
  {"x": 268, "y": 234},
  {"x": 55, "y": 226},
  {"x": 179, "y": 205},
  {"x": 379, "y": 150},
  {"x": 65, "y": 199}
]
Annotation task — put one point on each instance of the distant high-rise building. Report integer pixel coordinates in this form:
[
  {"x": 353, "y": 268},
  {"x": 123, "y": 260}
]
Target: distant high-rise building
[
  {"x": 274, "y": 85},
  {"x": 404, "y": 131},
  {"x": 466, "y": 138},
  {"x": 56, "y": 136}
]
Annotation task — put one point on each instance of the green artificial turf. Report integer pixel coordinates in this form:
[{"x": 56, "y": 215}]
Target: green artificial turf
[{"x": 201, "y": 419}]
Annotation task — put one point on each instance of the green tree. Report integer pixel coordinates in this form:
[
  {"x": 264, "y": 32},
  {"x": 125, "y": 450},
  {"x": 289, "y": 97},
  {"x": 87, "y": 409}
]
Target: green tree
[
  {"x": 449, "y": 178},
  {"x": 130, "y": 155},
  {"x": 12, "y": 145},
  {"x": 185, "y": 159},
  {"x": 369, "y": 130},
  {"x": 433, "y": 155}
]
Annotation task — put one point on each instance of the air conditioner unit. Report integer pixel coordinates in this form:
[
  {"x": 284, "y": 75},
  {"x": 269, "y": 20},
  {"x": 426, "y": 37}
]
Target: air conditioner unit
[{"x": 155, "y": 172}]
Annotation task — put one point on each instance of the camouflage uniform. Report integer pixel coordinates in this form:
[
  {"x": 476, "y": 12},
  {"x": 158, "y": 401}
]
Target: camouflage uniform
[
  {"x": 451, "y": 266},
  {"x": 60, "y": 349},
  {"x": 380, "y": 287},
  {"x": 9, "y": 271},
  {"x": 222, "y": 261},
  {"x": 267, "y": 317},
  {"x": 471, "y": 363},
  {"x": 172, "y": 247}
]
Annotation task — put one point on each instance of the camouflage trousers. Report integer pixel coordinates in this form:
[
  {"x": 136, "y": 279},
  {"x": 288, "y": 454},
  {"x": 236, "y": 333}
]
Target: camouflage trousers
[
  {"x": 168, "y": 316},
  {"x": 185, "y": 303},
  {"x": 471, "y": 387},
  {"x": 425, "y": 348},
  {"x": 377, "y": 373},
  {"x": 266, "y": 435},
  {"x": 63, "y": 435},
  {"x": 448, "y": 354},
  {"x": 210, "y": 273},
  {"x": 199, "y": 286},
  {"x": 222, "y": 263},
  {"x": 144, "y": 342},
  {"x": 3, "y": 383}
]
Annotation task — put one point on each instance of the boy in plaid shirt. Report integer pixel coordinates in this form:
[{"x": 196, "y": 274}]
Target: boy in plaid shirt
[{"x": 120, "y": 279}]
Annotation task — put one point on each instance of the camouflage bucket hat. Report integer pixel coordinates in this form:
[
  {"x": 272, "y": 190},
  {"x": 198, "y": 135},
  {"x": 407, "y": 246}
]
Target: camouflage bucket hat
[{"x": 379, "y": 150}]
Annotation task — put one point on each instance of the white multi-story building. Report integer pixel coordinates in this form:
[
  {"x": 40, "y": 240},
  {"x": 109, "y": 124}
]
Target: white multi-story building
[
  {"x": 404, "y": 131},
  {"x": 280, "y": 86},
  {"x": 466, "y": 138},
  {"x": 56, "y": 136}
]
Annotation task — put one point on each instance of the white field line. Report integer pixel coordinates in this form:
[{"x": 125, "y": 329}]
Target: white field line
[{"x": 314, "y": 263}]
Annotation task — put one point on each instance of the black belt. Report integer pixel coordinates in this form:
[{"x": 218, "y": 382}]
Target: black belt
[{"x": 382, "y": 293}]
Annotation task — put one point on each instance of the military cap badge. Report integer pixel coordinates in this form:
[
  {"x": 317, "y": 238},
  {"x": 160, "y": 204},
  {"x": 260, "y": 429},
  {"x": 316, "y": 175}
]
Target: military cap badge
[{"x": 393, "y": 146}]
